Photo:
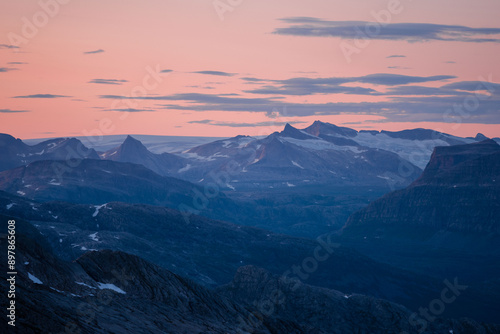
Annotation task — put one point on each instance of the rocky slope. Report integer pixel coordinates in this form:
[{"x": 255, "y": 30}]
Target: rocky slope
[
  {"x": 109, "y": 291},
  {"x": 15, "y": 153},
  {"x": 133, "y": 151}
]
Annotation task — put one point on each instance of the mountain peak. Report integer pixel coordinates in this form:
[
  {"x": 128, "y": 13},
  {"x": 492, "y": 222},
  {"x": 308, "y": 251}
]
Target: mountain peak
[
  {"x": 293, "y": 132},
  {"x": 132, "y": 143},
  {"x": 480, "y": 136},
  {"x": 319, "y": 128}
]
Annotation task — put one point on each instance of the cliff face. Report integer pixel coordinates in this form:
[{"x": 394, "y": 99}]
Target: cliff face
[{"x": 459, "y": 191}]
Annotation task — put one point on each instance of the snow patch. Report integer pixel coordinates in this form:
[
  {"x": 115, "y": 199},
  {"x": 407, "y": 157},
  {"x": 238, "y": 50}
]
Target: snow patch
[
  {"x": 22, "y": 193},
  {"x": 297, "y": 165},
  {"x": 97, "y": 208},
  {"x": 290, "y": 184},
  {"x": 54, "y": 182},
  {"x": 93, "y": 236},
  {"x": 34, "y": 279},
  {"x": 110, "y": 286},
  {"x": 84, "y": 284},
  {"x": 184, "y": 169},
  {"x": 9, "y": 206}
]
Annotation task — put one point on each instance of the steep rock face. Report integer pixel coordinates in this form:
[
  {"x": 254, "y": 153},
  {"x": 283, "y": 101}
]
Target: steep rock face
[
  {"x": 133, "y": 151},
  {"x": 458, "y": 191},
  {"x": 321, "y": 310}
]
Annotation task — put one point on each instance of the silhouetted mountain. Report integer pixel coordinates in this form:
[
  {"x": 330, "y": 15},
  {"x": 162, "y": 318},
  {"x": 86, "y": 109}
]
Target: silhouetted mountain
[
  {"x": 210, "y": 251},
  {"x": 443, "y": 224},
  {"x": 458, "y": 191},
  {"x": 132, "y": 150},
  {"x": 15, "y": 153},
  {"x": 321, "y": 310},
  {"x": 106, "y": 290},
  {"x": 102, "y": 181}
]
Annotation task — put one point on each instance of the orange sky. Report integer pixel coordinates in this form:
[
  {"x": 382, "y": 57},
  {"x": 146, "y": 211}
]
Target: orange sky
[{"x": 138, "y": 37}]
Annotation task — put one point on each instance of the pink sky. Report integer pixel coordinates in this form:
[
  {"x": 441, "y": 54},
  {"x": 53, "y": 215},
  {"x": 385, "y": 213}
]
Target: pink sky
[{"x": 189, "y": 36}]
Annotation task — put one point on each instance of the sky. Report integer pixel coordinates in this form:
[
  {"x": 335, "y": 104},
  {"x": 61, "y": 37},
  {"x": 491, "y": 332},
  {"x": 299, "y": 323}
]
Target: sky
[{"x": 227, "y": 67}]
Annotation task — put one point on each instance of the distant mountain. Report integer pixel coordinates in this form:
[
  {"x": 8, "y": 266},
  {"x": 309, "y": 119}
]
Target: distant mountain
[
  {"x": 15, "y": 153},
  {"x": 295, "y": 157},
  {"x": 415, "y": 145},
  {"x": 132, "y": 150}
]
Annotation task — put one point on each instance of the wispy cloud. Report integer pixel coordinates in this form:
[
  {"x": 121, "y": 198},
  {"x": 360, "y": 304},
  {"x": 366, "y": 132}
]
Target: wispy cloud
[
  {"x": 93, "y": 52},
  {"x": 244, "y": 125},
  {"x": 10, "y": 111},
  {"x": 7, "y": 69},
  {"x": 16, "y": 63},
  {"x": 131, "y": 110},
  {"x": 166, "y": 71},
  {"x": 396, "y": 56},
  {"x": 334, "y": 85},
  {"x": 40, "y": 96},
  {"x": 412, "y": 32},
  {"x": 108, "y": 81},
  {"x": 218, "y": 73},
  {"x": 8, "y": 46}
]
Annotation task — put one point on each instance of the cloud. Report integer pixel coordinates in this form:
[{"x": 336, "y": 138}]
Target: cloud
[
  {"x": 130, "y": 110},
  {"x": 254, "y": 79},
  {"x": 475, "y": 86},
  {"x": 396, "y": 56},
  {"x": 411, "y": 32},
  {"x": 9, "y": 111},
  {"x": 218, "y": 73},
  {"x": 93, "y": 52},
  {"x": 450, "y": 62},
  {"x": 244, "y": 125},
  {"x": 8, "y": 46},
  {"x": 108, "y": 81},
  {"x": 40, "y": 96},
  {"x": 16, "y": 63},
  {"x": 403, "y": 102},
  {"x": 7, "y": 69},
  {"x": 166, "y": 71},
  {"x": 333, "y": 85},
  {"x": 399, "y": 67}
]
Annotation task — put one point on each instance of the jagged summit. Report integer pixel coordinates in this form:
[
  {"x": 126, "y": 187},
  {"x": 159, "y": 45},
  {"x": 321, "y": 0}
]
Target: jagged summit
[
  {"x": 292, "y": 132},
  {"x": 320, "y": 129},
  {"x": 480, "y": 136}
]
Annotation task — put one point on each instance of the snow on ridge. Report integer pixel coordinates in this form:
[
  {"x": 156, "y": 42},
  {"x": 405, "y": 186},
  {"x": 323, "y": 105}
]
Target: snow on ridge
[
  {"x": 93, "y": 236},
  {"x": 34, "y": 279},
  {"x": 110, "y": 286},
  {"x": 97, "y": 208},
  {"x": 297, "y": 165},
  {"x": 9, "y": 206},
  {"x": 319, "y": 144},
  {"x": 184, "y": 169},
  {"x": 86, "y": 285}
]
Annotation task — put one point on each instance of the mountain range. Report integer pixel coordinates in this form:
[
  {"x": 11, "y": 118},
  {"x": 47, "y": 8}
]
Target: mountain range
[{"x": 223, "y": 236}]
